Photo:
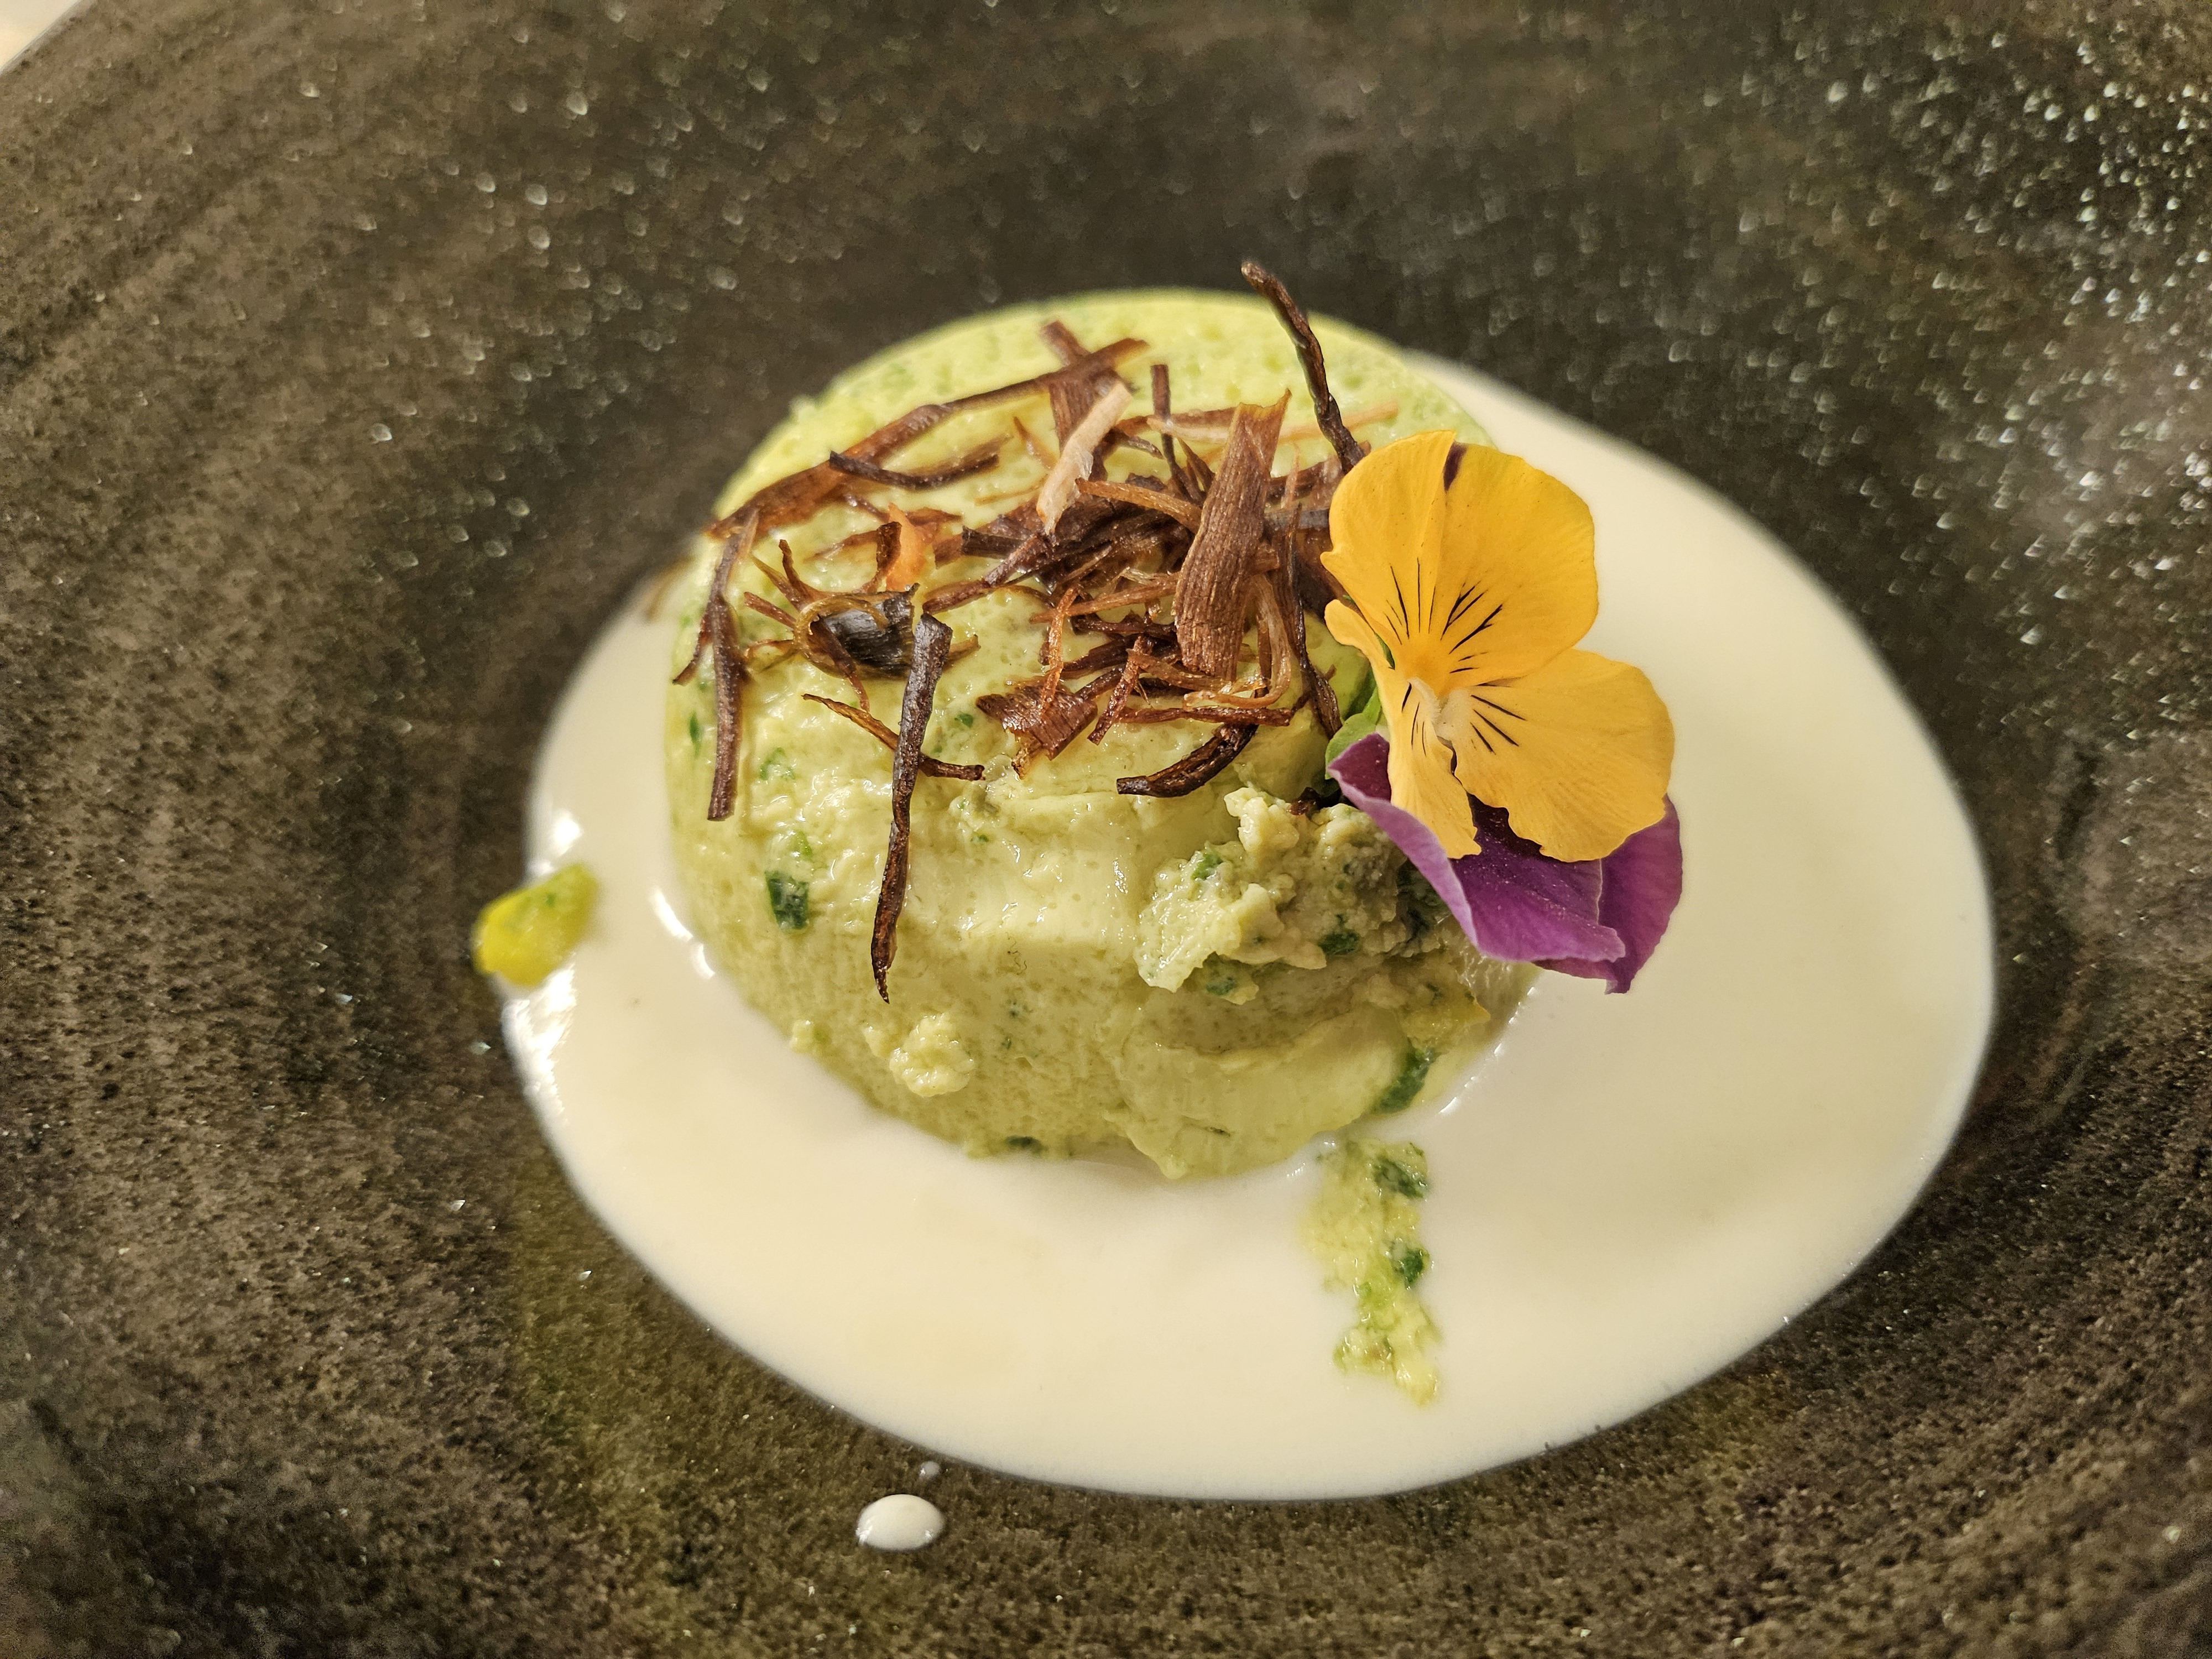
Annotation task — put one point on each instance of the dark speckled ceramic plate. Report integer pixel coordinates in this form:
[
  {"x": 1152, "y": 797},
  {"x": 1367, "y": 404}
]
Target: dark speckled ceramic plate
[{"x": 354, "y": 358}]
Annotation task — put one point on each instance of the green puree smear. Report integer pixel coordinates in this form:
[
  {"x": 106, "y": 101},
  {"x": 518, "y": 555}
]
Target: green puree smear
[
  {"x": 1365, "y": 1227},
  {"x": 524, "y": 935}
]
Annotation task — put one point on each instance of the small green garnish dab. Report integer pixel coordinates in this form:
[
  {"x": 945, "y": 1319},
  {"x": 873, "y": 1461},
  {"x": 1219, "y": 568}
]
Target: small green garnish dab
[
  {"x": 524, "y": 935},
  {"x": 786, "y": 901},
  {"x": 1365, "y": 1228},
  {"x": 1412, "y": 1072}
]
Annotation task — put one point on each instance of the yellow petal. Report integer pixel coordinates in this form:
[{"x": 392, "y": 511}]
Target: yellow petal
[
  {"x": 1421, "y": 779},
  {"x": 1348, "y": 627},
  {"x": 1386, "y": 526},
  {"x": 1520, "y": 555},
  {"x": 1578, "y": 753},
  {"x": 1488, "y": 580}
]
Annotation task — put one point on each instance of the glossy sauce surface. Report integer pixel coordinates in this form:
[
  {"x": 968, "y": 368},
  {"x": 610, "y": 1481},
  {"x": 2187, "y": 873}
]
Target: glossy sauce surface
[{"x": 1627, "y": 1193}]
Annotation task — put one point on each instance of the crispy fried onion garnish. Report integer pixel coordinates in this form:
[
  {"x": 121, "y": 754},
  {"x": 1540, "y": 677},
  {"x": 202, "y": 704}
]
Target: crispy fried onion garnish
[
  {"x": 718, "y": 635},
  {"x": 1210, "y": 608},
  {"x": 1201, "y": 766},
  {"x": 1197, "y": 578},
  {"x": 1057, "y": 493},
  {"x": 860, "y": 715},
  {"x": 933, "y": 642}
]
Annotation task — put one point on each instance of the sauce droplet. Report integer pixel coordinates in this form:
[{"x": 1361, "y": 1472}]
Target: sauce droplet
[{"x": 900, "y": 1522}]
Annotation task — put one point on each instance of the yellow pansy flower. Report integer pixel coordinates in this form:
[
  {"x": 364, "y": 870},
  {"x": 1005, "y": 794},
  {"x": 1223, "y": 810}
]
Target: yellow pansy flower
[{"x": 1470, "y": 597}]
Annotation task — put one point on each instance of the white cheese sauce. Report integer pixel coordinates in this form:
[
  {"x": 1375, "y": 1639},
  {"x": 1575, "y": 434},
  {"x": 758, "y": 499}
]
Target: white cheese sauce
[
  {"x": 1627, "y": 1193},
  {"x": 900, "y": 1522}
]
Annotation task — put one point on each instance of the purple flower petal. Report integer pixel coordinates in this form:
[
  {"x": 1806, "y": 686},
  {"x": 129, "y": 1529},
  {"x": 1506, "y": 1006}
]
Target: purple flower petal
[
  {"x": 1515, "y": 904},
  {"x": 1642, "y": 883},
  {"x": 1600, "y": 920}
]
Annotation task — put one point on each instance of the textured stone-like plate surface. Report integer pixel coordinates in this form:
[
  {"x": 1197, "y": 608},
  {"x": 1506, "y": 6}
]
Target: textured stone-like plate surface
[{"x": 354, "y": 360}]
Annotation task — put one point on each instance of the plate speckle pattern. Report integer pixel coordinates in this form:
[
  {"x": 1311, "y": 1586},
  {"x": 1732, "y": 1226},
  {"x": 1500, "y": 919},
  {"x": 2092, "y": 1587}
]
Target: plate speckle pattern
[{"x": 353, "y": 361}]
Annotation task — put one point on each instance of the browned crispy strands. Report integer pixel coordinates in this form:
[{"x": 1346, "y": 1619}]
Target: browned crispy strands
[
  {"x": 1087, "y": 525},
  {"x": 843, "y": 634},
  {"x": 1129, "y": 627},
  {"x": 1000, "y": 537},
  {"x": 717, "y": 633},
  {"x": 1117, "y": 598},
  {"x": 1142, "y": 492},
  {"x": 1201, "y": 475},
  {"x": 739, "y": 545},
  {"x": 1158, "y": 549},
  {"x": 886, "y": 538},
  {"x": 1200, "y": 767},
  {"x": 1253, "y": 695},
  {"x": 1071, "y": 398},
  {"x": 1038, "y": 729},
  {"x": 1275, "y": 657},
  {"x": 774, "y": 612},
  {"x": 1060, "y": 340},
  {"x": 1163, "y": 414},
  {"x": 1109, "y": 655},
  {"x": 1130, "y": 435},
  {"x": 799, "y": 495},
  {"x": 932, "y": 641},
  {"x": 1025, "y": 557},
  {"x": 981, "y": 458},
  {"x": 1314, "y": 485},
  {"x": 1089, "y": 366},
  {"x": 1290, "y": 598},
  {"x": 877, "y": 637},
  {"x": 1270, "y": 288},
  {"x": 954, "y": 595},
  {"x": 931, "y": 766},
  {"x": 1218, "y": 716},
  {"x": 1102, "y": 566},
  {"x": 846, "y": 545},
  {"x": 1354, "y": 418},
  {"x": 1163, "y": 677},
  {"x": 1055, "y": 635},
  {"x": 1030, "y": 443},
  {"x": 1125, "y": 687},
  {"x": 729, "y": 709},
  {"x": 1070, "y": 402},
  {"x": 1209, "y": 606},
  {"x": 1078, "y": 451},
  {"x": 787, "y": 581},
  {"x": 1210, "y": 424},
  {"x": 1070, "y": 388},
  {"x": 787, "y": 500},
  {"x": 1226, "y": 544}
]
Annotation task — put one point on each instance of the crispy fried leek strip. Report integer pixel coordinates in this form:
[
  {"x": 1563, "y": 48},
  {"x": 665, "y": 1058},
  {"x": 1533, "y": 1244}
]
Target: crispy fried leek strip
[
  {"x": 1270, "y": 288},
  {"x": 1210, "y": 605},
  {"x": 933, "y": 642},
  {"x": 717, "y": 637},
  {"x": 1200, "y": 767}
]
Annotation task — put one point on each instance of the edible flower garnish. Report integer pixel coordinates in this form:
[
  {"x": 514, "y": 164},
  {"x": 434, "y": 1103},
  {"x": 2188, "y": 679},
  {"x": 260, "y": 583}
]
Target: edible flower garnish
[
  {"x": 1470, "y": 577},
  {"x": 1599, "y": 919}
]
